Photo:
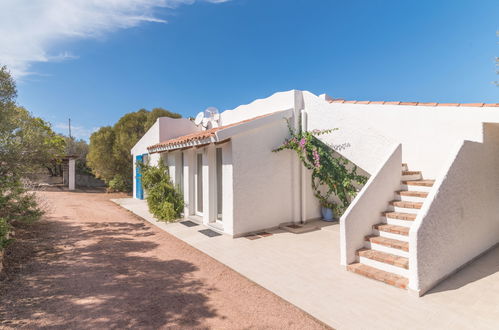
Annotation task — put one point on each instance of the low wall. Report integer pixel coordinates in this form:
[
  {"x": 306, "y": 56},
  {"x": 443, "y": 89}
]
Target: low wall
[
  {"x": 85, "y": 180},
  {"x": 365, "y": 210},
  {"x": 460, "y": 218}
]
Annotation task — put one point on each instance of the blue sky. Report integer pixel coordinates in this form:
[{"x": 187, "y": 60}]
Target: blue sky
[{"x": 104, "y": 61}]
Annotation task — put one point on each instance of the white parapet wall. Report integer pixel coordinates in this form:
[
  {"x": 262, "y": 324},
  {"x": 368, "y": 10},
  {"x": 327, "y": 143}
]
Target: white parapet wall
[
  {"x": 427, "y": 133},
  {"x": 460, "y": 218},
  {"x": 365, "y": 210}
]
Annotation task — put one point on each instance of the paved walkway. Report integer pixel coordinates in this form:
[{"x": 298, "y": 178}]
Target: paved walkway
[{"x": 304, "y": 269}]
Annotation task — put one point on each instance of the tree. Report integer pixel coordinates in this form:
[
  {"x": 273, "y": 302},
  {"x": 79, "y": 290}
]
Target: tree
[
  {"x": 109, "y": 150},
  {"x": 78, "y": 148},
  {"x": 27, "y": 143}
]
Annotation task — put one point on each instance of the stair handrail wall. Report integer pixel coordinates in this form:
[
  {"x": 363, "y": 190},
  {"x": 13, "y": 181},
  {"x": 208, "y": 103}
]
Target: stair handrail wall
[
  {"x": 459, "y": 220},
  {"x": 366, "y": 208}
]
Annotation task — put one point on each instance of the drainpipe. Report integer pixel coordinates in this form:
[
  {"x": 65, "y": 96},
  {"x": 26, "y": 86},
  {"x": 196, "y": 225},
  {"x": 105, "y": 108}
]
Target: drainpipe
[
  {"x": 303, "y": 201},
  {"x": 298, "y": 107}
]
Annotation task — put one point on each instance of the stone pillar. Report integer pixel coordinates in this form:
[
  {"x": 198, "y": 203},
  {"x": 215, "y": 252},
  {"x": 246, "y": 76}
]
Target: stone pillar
[{"x": 72, "y": 174}]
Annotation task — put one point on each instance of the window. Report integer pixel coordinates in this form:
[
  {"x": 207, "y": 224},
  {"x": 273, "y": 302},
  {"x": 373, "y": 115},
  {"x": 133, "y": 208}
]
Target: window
[
  {"x": 199, "y": 183},
  {"x": 181, "y": 172},
  {"x": 219, "y": 183}
]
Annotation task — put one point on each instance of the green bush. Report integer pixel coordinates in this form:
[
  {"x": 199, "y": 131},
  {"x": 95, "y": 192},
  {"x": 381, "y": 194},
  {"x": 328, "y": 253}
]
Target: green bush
[
  {"x": 4, "y": 231},
  {"x": 165, "y": 201},
  {"x": 119, "y": 183}
]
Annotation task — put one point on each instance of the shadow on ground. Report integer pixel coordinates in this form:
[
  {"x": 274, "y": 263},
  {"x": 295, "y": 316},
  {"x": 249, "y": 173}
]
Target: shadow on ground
[
  {"x": 483, "y": 267},
  {"x": 97, "y": 275}
]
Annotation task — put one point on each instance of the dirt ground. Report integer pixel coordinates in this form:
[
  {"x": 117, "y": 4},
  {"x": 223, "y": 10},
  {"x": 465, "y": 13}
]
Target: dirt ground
[{"x": 91, "y": 265}]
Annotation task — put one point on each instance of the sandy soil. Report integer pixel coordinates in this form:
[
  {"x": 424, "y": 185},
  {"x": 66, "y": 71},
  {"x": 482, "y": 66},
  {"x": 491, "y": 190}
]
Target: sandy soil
[{"x": 91, "y": 265}]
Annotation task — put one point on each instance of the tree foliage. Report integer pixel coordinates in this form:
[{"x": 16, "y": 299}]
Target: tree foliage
[
  {"x": 27, "y": 143},
  {"x": 109, "y": 150}
]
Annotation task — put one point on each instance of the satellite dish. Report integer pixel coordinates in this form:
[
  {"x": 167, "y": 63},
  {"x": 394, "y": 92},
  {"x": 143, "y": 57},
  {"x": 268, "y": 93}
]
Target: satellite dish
[
  {"x": 211, "y": 112},
  {"x": 199, "y": 118},
  {"x": 205, "y": 121}
]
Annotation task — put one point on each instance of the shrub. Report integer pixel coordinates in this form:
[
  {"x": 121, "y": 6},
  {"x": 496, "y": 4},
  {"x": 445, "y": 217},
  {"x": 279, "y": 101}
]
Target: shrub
[
  {"x": 119, "y": 183},
  {"x": 164, "y": 200},
  {"x": 4, "y": 233}
]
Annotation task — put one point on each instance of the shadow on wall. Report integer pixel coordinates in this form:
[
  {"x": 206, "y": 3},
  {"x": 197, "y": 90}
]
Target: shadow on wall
[
  {"x": 100, "y": 283},
  {"x": 483, "y": 267}
]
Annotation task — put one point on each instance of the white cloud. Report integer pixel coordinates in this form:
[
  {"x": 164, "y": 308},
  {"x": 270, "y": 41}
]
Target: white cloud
[
  {"x": 78, "y": 132},
  {"x": 30, "y": 29}
]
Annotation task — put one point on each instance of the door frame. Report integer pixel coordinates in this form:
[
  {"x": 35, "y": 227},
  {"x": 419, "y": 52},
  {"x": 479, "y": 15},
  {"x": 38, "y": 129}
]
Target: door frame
[{"x": 197, "y": 193}]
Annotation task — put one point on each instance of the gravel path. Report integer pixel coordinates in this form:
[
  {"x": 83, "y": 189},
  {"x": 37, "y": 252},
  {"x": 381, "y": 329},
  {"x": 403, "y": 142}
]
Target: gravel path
[{"x": 91, "y": 265}]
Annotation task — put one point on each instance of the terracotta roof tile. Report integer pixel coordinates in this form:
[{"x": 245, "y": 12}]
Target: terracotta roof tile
[
  {"x": 198, "y": 136},
  {"x": 425, "y": 104},
  {"x": 471, "y": 105},
  {"x": 428, "y": 104}
]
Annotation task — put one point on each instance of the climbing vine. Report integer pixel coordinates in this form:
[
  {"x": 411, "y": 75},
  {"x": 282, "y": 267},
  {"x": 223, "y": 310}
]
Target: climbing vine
[{"x": 332, "y": 174}]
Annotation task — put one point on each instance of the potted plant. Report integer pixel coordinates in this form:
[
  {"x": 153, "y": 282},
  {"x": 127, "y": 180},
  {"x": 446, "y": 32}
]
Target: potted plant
[{"x": 327, "y": 210}]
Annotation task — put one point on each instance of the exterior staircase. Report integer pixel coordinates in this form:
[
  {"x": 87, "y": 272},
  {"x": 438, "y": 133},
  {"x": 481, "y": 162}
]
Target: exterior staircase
[{"x": 385, "y": 256}]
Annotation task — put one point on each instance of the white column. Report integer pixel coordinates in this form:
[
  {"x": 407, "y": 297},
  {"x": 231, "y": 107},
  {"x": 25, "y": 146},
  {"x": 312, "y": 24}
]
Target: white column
[
  {"x": 72, "y": 174},
  {"x": 212, "y": 182}
]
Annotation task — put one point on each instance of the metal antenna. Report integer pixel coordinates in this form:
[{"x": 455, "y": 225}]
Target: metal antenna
[{"x": 70, "y": 128}]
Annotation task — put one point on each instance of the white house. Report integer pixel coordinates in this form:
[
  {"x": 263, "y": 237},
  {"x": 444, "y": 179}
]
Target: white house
[{"x": 407, "y": 228}]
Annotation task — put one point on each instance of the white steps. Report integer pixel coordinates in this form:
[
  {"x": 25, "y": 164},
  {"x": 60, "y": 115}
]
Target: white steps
[{"x": 386, "y": 252}]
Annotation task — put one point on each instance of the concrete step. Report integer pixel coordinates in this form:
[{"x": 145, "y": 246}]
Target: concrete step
[
  {"x": 384, "y": 257},
  {"x": 298, "y": 228},
  {"x": 392, "y": 229},
  {"x": 390, "y": 234},
  {"x": 411, "y": 196},
  {"x": 399, "y": 215},
  {"x": 396, "y": 222},
  {"x": 417, "y": 185},
  {"x": 411, "y": 175},
  {"x": 379, "y": 275},
  {"x": 404, "y": 207},
  {"x": 406, "y": 204},
  {"x": 388, "y": 242}
]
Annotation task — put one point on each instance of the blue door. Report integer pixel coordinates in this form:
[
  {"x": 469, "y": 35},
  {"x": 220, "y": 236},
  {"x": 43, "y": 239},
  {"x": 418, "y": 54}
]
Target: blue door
[{"x": 139, "y": 190}]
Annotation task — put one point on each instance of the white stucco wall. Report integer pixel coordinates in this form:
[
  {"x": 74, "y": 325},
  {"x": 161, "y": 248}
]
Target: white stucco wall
[
  {"x": 427, "y": 133},
  {"x": 365, "y": 145},
  {"x": 163, "y": 129},
  {"x": 276, "y": 102},
  {"x": 460, "y": 218},
  {"x": 174, "y": 127},
  {"x": 227, "y": 188},
  {"x": 189, "y": 170},
  {"x": 366, "y": 208},
  {"x": 264, "y": 183}
]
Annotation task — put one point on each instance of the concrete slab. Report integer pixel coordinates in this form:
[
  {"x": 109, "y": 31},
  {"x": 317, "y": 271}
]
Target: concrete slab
[{"x": 304, "y": 269}]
